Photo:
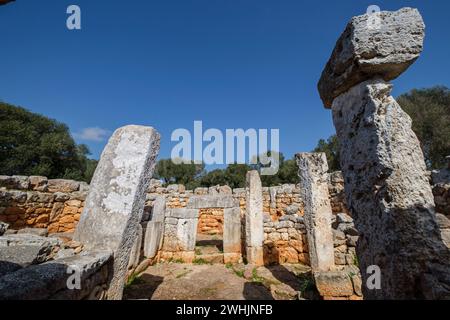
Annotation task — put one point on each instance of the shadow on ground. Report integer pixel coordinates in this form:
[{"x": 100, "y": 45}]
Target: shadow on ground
[{"x": 143, "y": 287}]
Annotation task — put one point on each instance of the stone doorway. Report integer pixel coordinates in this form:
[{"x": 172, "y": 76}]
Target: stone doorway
[
  {"x": 209, "y": 241},
  {"x": 218, "y": 236}
]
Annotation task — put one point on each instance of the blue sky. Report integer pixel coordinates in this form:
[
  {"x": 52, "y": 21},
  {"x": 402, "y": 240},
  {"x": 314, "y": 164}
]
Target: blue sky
[{"x": 232, "y": 64}]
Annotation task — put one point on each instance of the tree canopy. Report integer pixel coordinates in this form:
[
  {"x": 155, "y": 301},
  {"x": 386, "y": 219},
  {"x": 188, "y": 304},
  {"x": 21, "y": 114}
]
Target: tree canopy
[
  {"x": 32, "y": 144},
  {"x": 429, "y": 110},
  {"x": 233, "y": 175},
  {"x": 182, "y": 173},
  {"x": 331, "y": 149}
]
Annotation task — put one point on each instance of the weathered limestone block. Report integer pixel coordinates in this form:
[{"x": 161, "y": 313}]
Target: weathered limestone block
[
  {"x": 443, "y": 221},
  {"x": 254, "y": 226},
  {"x": 135, "y": 255},
  {"x": 333, "y": 283},
  {"x": 15, "y": 182},
  {"x": 182, "y": 213},
  {"x": 62, "y": 185},
  {"x": 273, "y": 196},
  {"x": 49, "y": 280},
  {"x": 389, "y": 195},
  {"x": 211, "y": 201},
  {"x": 38, "y": 183},
  {"x": 186, "y": 233},
  {"x": 445, "y": 234},
  {"x": 313, "y": 174},
  {"x": 116, "y": 198},
  {"x": 25, "y": 255},
  {"x": 155, "y": 228},
  {"x": 159, "y": 209},
  {"x": 363, "y": 52},
  {"x": 180, "y": 229},
  {"x": 25, "y": 239},
  {"x": 232, "y": 235},
  {"x": 21, "y": 250},
  {"x": 153, "y": 238},
  {"x": 36, "y": 231}
]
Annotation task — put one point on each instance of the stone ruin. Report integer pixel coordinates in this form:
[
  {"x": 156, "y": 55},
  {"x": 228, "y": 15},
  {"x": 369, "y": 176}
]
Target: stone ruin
[
  {"x": 115, "y": 203},
  {"x": 129, "y": 221},
  {"x": 107, "y": 230},
  {"x": 386, "y": 183},
  {"x": 167, "y": 231}
]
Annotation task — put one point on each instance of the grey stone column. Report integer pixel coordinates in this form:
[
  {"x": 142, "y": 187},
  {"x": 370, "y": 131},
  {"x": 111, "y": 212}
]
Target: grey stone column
[
  {"x": 115, "y": 203},
  {"x": 232, "y": 235},
  {"x": 386, "y": 185},
  {"x": 155, "y": 228},
  {"x": 313, "y": 174},
  {"x": 254, "y": 229},
  {"x": 389, "y": 195}
]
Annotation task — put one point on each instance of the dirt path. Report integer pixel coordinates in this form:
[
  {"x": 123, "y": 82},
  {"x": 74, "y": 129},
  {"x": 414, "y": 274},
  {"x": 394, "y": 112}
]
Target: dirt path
[{"x": 173, "y": 281}]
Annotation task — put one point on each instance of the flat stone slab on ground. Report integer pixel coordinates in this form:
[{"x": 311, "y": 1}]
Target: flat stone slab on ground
[
  {"x": 42, "y": 281},
  {"x": 24, "y": 256},
  {"x": 43, "y": 232},
  {"x": 26, "y": 239}
]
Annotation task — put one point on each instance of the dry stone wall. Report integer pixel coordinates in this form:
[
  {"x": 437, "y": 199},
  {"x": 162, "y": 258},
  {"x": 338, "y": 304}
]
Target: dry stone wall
[
  {"x": 28, "y": 199},
  {"x": 34, "y": 266},
  {"x": 210, "y": 221},
  {"x": 38, "y": 202}
]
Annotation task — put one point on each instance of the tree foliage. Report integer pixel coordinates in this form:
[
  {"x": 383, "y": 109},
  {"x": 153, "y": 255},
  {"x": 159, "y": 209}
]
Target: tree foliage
[
  {"x": 331, "y": 149},
  {"x": 233, "y": 175},
  {"x": 429, "y": 110},
  {"x": 32, "y": 144},
  {"x": 287, "y": 170},
  {"x": 183, "y": 173}
]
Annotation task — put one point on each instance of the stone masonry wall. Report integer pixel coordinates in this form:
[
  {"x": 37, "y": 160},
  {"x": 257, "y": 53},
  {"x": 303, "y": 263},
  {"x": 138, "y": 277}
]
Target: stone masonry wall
[
  {"x": 56, "y": 204},
  {"x": 38, "y": 202},
  {"x": 210, "y": 221}
]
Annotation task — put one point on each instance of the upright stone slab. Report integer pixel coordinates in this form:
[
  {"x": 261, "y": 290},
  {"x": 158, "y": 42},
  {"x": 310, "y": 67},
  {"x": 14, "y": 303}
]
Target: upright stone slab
[
  {"x": 135, "y": 255},
  {"x": 180, "y": 233},
  {"x": 386, "y": 183},
  {"x": 254, "y": 231},
  {"x": 155, "y": 228},
  {"x": 232, "y": 235},
  {"x": 116, "y": 198},
  {"x": 389, "y": 195},
  {"x": 313, "y": 174}
]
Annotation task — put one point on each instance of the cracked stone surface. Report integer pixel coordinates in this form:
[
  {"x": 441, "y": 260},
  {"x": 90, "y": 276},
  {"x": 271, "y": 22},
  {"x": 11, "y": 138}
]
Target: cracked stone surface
[
  {"x": 115, "y": 203},
  {"x": 389, "y": 195},
  {"x": 362, "y": 53}
]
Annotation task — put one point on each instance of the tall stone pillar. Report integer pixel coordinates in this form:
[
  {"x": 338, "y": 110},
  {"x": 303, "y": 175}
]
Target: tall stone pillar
[
  {"x": 115, "y": 203},
  {"x": 313, "y": 174},
  {"x": 254, "y": 231},
  {"x": 155, "y": 228},
  {"x": 386, "y": 185},
  {"x": 232, "y": 235}
]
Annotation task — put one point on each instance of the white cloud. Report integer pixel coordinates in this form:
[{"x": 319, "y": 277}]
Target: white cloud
[{"x": 93, "y": 134}]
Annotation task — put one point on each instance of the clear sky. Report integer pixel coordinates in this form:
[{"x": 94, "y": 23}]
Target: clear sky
[{"x": 232, "y": 64}]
